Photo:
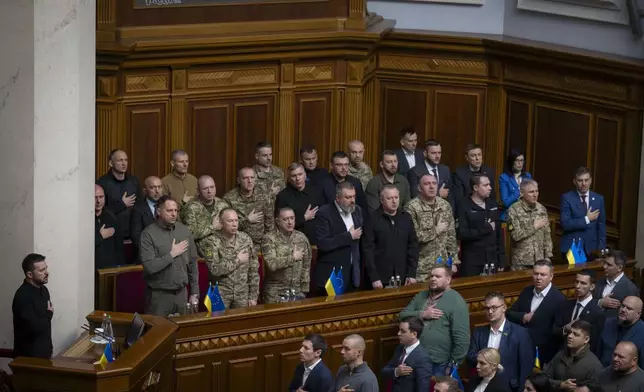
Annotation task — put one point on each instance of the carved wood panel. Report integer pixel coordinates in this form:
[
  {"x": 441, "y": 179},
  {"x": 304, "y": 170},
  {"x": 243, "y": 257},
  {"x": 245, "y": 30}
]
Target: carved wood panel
[
  {"x": 403, "y": 106},
  {"x": 146, "y": 135},
  {"x": 608, "y": 163},
  {"x": 313, "y": 123}
]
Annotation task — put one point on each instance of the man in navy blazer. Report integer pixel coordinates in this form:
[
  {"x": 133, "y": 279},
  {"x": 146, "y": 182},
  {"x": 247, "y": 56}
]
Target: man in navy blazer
[
  {"x": 615, "y": 285},
  {"x": 536, "y": 308},
  {"x": 338, "y": 228},
  {"x": 410, "y": 368},
  {"x": 583, "y": 215},
  {"x": 431, "y": 165},
  {"x": 627, "y": 326},
  {"x": 408, "y": 151},
  {"x": 512, "y": 341},
  {"x": 462, "y": 189},
  {"x": 312, "y": 375}
]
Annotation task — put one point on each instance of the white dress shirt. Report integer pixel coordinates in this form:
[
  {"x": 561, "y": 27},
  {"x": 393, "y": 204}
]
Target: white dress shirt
[
  {"x": 537, "y": 298},
  {"x": 407, "y": 351},
  {"x": 308, "y": 370},
  {"x": 583, "y": 306},
  {"x": 347, "y": 218},
  {"x": 494, "y": 341},
  {"x": 610, "y": 285},
  {"x": 411, "y": 158},
  {"x": 432, "y": 170},
  {"x": 483, "y": 384},
  {"x": 153, "y": 207}
]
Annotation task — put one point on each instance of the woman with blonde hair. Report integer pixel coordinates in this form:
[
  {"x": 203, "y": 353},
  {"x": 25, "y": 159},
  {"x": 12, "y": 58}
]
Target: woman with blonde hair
[{"x": 488, "y": 369}]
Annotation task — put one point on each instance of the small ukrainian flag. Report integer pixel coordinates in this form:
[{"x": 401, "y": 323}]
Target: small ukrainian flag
[
  {"x": 537, "y": 362},
  {"x": 107, "y": 356},
  {"x": 207, "y": 301},
  {"x": 572, "y": 253},
  {"x": 329, "y": 286}
]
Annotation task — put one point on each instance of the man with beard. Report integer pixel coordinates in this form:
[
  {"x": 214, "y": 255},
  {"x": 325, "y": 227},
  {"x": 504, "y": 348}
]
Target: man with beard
[
  {"x": 627, "y": 326},
  {"x": 339, "y": 174},
  {"x": 433, "y": 153},
  {"x": 33, "y": 311},
  {"x": 388, "y": 176},
  {"x": 287, "y": 257},
  {"x": 446, "y": 332},
  {"x": 390, "y": 244},
  {"x": 121, "y": 190},
  {"x": 434, "y": 225},
  {"x": 201, "y": 214},
  {"x": 108, "y": 239},
  {"x": 312, "y": 375},
  {"x": 354, "y": 374},
  {"x": 144, "y": 212},
  {"x": 529, "y": 228},
  {"x": 338, "y": 228},
  {"x": 303, "y": 198},
  {"x": 232, "y": 261},
  {"x": 462, "y": 175},
  {"x": 180, "y": 185},
  {"x": 309, "y": 159},
  {"x": 480, "y": 229},
  {"x": 624, "y": 375},
  {"x": 254, "y": 209},
  {"x": 357, "y": 167},
  {"x": 270, "y": 179},
  {"x": 169, "y": 258}
]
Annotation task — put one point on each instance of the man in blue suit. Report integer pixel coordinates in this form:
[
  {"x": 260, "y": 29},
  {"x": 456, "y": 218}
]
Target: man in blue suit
[
  {"x": 410, "y": 367},
  {"x": 312, "y": 375},
  {"x": 338, "y": 228},
  {"x": 628, "y": 326},
  {"x": 512, "y": 341},
  {"x": 583, "y": 215}
]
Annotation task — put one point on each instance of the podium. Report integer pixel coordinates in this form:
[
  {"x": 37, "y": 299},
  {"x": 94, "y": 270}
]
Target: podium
[{"x": 146, "y": 366}]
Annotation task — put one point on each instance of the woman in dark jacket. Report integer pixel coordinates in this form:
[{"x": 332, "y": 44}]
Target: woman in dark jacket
[{"x": 488, "y": 369}]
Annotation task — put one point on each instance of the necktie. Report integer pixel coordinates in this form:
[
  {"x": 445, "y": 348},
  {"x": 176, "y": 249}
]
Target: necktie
[
  {"x": 402, "y": 357},
  {"x": 583, "y": 202},
  {"x": 576, "y": 315},
  {"x": 435, "y": 173},
  {"x": 154, "y": 207}
]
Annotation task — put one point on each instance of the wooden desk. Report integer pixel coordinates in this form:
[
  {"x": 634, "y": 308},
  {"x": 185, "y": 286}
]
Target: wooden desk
[
  {"x": 147, "y": 365},
  {"x": 256, "y": 349}
]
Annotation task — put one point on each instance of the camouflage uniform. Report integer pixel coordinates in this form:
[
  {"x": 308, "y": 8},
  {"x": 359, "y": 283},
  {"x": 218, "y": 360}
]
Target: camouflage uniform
[
  {"x": 266, "y": 181},
  {"x": 362, "y": 172},
  {"x": 528, "y": 244},
  {"x": 195, "y": 215},
  {"x": 425, "y": 217},
  {"x": 282, "y": 272},
  {"x": 260, "y": 202},
  {"x": 238, "y": 283}
]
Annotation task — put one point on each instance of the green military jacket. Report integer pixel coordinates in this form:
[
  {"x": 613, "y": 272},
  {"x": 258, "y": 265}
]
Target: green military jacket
[
  {"x": 196, "y": 216},
  {"x": 282, "y": 271},
  {"x": 528, "y": 244},
  {"x": 258, "y": 202}
]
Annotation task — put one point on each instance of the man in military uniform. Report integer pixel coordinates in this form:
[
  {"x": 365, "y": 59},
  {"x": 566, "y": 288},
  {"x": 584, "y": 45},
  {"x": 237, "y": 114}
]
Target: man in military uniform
[
  {"x": 270, "y": 179},
  {"x": 254, "y": 209},
  {"x": 201, "y": 214},
  {"x": 434, "y": 224},
  {"x": 357, "y": 167},
  {"x": 232, "y": 262},
  {"x": 529, "y": 228},
  {"x": 287, "y": 257}
]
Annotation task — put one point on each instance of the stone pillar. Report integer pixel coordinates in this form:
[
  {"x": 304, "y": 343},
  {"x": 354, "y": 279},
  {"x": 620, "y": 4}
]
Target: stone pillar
[
  {"x": 639, "y": 244},
  {"x": 47, "y": 148}
]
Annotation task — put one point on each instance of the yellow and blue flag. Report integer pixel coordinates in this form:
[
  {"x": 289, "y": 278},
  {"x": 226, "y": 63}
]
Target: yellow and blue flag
[
  {"x": 439, "y": 260},
  {"x": 107, "y": 356},
  {"x": 456, "y": 377},
  {"x": 537, "y": 362},
  {"x": 207, "y": 301},
  {"x": 572, "y": 254},
  {"x": 329, "y": 286},
  {"x": 335, "y": 284}
]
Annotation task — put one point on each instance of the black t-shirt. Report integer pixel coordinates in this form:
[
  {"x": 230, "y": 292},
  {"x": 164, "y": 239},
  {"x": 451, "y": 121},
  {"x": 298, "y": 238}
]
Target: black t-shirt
[{"x": 32, "y": 322}]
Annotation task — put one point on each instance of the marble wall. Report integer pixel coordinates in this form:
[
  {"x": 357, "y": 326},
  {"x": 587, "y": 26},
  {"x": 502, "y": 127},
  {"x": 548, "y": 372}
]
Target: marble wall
[{"x": 47, "y": 152}]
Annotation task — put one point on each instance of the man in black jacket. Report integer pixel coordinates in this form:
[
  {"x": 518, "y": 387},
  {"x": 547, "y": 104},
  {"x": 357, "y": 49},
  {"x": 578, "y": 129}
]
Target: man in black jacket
[
  {"x": 340, "y": 173},
  {"x": 309, "y": 159},
  {"x": 108, "y": 239},
  {"x": 480, "y": 229},
  {"x": 390, "y": 245},
  {"x": 144, "y": 212},
  {"x": 33, "y": 311},
  {"x": 462, "y": 175},
  {"x": 121, "y": 190}
]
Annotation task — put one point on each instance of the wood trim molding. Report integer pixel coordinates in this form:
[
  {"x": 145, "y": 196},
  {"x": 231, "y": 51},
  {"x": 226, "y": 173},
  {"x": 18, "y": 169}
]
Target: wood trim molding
[{"x": 433, "y": 65}]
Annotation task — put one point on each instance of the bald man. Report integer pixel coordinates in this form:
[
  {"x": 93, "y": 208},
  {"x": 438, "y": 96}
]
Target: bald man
[
  {"x": 623, "y": 375},
  {"x": 144, "y": 211},
  {"x": 108, "y": 239},
  {"x": 354, "y": 374},
  {"x": 357, "y": 167},
  {"x": 627, "y": 326},
  {"x": 201, "y": 214}
]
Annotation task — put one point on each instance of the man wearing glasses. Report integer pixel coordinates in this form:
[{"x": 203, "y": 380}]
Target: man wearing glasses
[{"x": 512, "y": 341}]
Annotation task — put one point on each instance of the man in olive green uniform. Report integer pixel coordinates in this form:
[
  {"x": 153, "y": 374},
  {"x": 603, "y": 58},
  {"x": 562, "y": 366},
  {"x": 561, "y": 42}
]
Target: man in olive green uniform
[
  {"x": 434, "y": 224},
  {"x": 254, "y": 209},
  {"x": 232, "y": 262},
  {"x": 529, "y": 228},
  {"x": 179, "y": 184},
  {"x": 201, "y": 214},
  {"x": 287, "y": 257},
  {"x": 270, "y": 179},
  {"x": 169, "y": 259},
  {"x": 388, "y": 176},
  {"x": 357, "y": 167}
]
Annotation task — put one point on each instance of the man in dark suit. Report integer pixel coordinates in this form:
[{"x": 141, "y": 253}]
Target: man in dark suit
[
  {"x": 108, "y": 238},
  {"x": 627, "y": 326},
  {"x": 615, "y": 285},
  {"x": 338, "y": 228},
  {"x": 461, "y": 189},
  {"x": 410, "y": 367},
  {"x": 312, "y": 375},
  {"x": 536, "y": 308},
  {"x": 431, "y": 165},
  {"x": 583, "y": 216},
  {"x": 408, "y": 155},
  {"x": 143, "y": 213},
  {"x": 339, "y": 174},
  {"x": 309, "y": 159},
  {"x": 512, "y": 341},
  {"x": 584, "y": 307}
]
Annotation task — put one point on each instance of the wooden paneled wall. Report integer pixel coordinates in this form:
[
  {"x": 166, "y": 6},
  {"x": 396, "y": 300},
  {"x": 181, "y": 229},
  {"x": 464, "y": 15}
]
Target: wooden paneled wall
[{"x": 217, "y": 101}]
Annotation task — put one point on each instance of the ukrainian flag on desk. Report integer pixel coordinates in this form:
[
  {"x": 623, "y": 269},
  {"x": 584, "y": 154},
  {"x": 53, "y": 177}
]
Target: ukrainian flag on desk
[
  {"x": 107, "y": 356},
  {"x": 576, "y": 253},
  {"x": 537, "y": 362},
  {"x": 335, "y": 284},
  {"x": 213, "y": 300},
  {"x": 456, "y": 377}
]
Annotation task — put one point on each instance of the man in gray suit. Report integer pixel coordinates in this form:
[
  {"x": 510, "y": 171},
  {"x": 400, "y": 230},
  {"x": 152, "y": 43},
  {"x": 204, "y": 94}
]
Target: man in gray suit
[
  {"x": 615, "y": 285},
  {"x": 432, "y": 165}
]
